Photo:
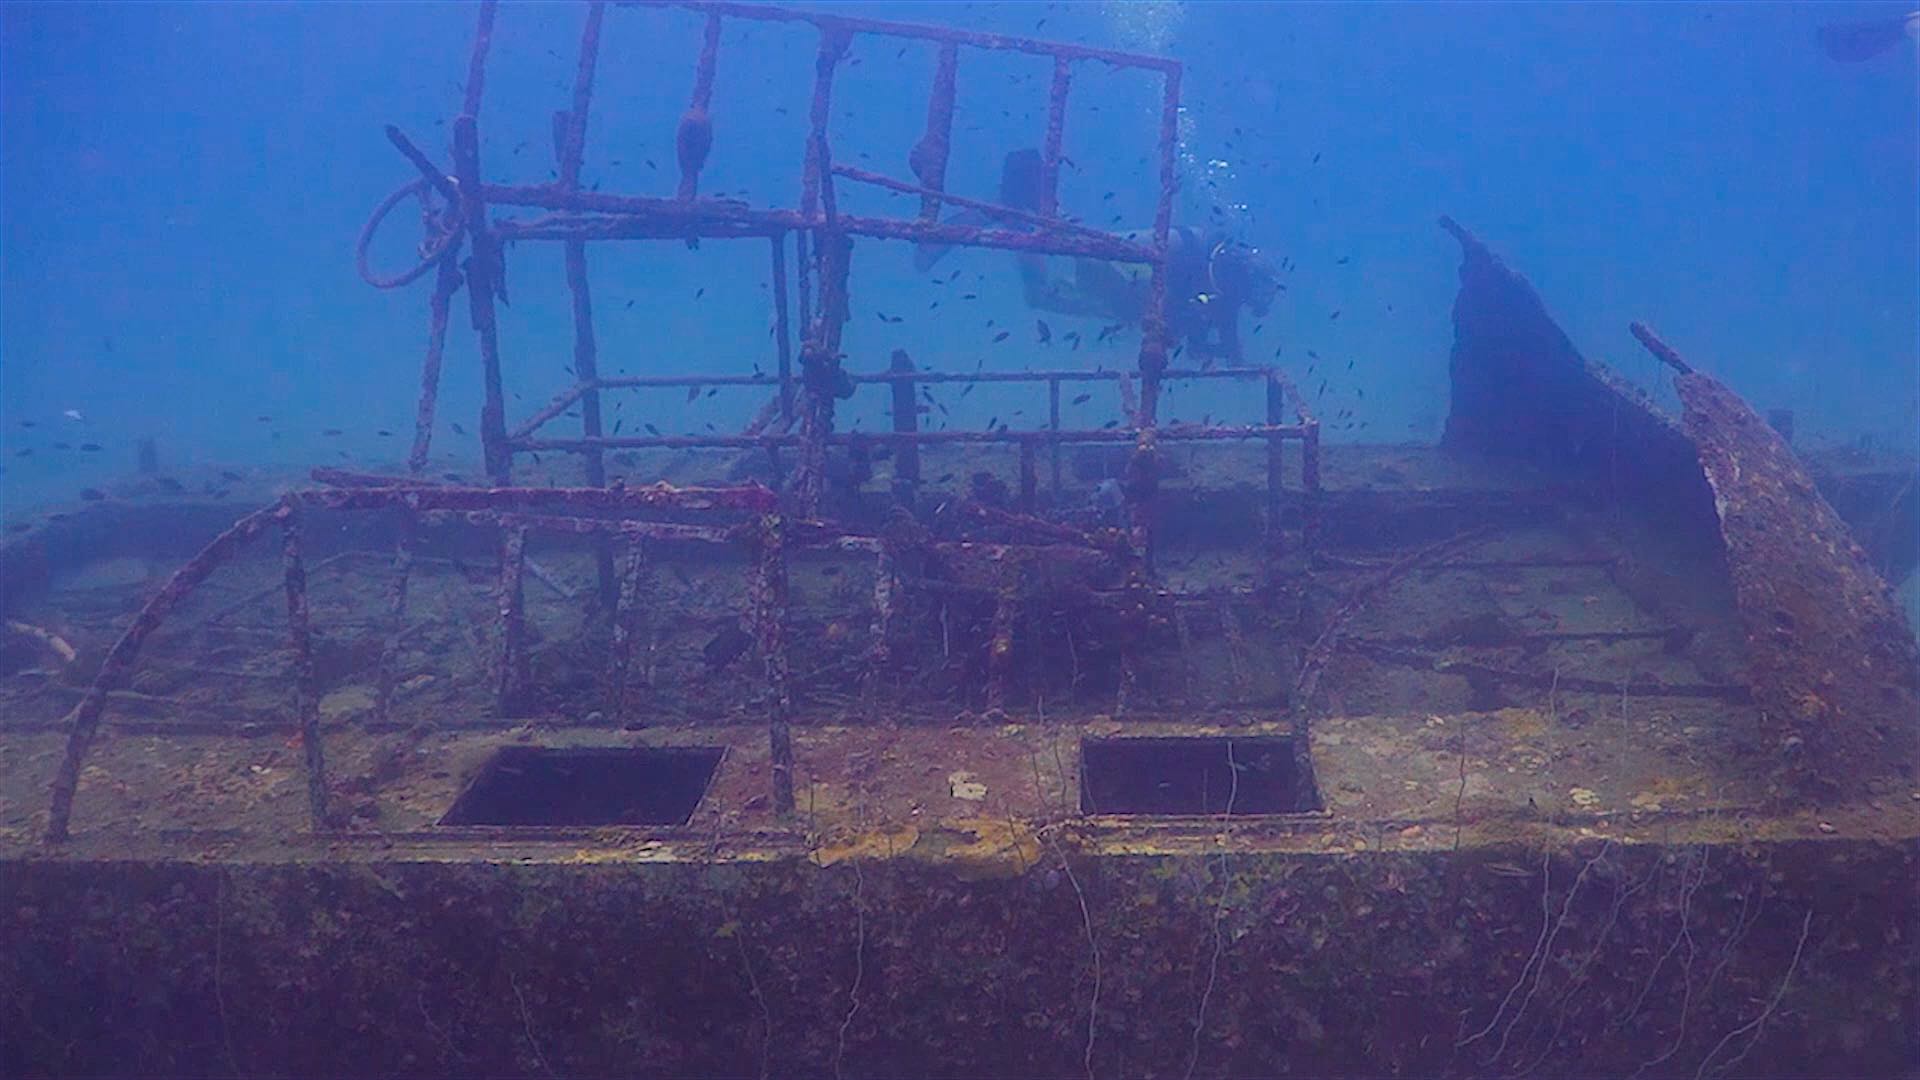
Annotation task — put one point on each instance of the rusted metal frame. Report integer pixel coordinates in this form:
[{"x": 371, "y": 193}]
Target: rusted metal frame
[
  {"x": 483, "y": 271},
  {"x": 570, "y": 131},
  {"x": 917, "y": 32},
  {"x": 396, "y": 615},
  {"x": 571, "y": 126},
  {"x": 782, "y": 329},
  {"x": 768, "y": 594},
  {"x": 928, "y": 158},
  {"x": 477, "y": 60},
  {"x": 695, "y": 135},
  {"x": 833, "y": 47},
  {"x": 82, "y": 723},
  {"x": 664, "y": 531},
  {"x": 306, "y": 690},
  {"x": 1053, "y": 224},
  {"x": 906, "y": 421},
  {"x": 751, "y": 498},
  {"x": 446, "y": 282},
  {"x": 1006, "y": 612},
  {"x": 627, "y": 217},
  {"x": 1053, "y": 445},
  {"x": 1056, "y": 133},
  {"x": 433, "y": 175},
  {"x": 923, "y": 438},
  {"x": 1029, "y": 481},
  {"x": 803, "y": 280},
  {"x": 510, "y": 677},
  {"x": 1276, "y": 462},
  {"x": 629, "y": 623},
  {"x": 561, "y": 403},
  {"x": 625, "y": 382},
  {"x": 820, "y": 349}
]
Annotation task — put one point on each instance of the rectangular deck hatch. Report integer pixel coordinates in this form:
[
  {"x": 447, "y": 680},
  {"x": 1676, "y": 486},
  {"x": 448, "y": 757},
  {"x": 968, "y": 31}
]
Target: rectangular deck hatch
[
  {"x": 1194, "y": 776},
  {"x": 532, "y": 785}
]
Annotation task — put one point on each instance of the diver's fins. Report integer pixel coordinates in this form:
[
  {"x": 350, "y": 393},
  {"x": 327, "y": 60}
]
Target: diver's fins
[
  {"x": 1019, "y": 190},
  {"x": 1020, "y": 179},
  {"x": 1852, "y": 43},
  {"x": 926, "y": 256}
]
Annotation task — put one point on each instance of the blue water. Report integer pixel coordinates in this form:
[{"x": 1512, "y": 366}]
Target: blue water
[{"x": 181, "y": 185}]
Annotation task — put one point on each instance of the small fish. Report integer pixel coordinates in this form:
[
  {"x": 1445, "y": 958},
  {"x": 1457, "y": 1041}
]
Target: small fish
[
  {"x": 651, "y": 430},
  {"x": 73, "y": 414},
  {"x": 1342, "y": 260},
  {"x": 331, "y": 431},
  {"x": 1081, "y": 399},
  {"x": 27, "y": 423},
  {"x": 699, "y": 292},
  {"x": 1001, "y": 336},
  {"x": 1044, "y": 331},
  {"x": 90, "y": 447},
  {"x": 384, "y": 433},
  {"x": 92, "y": 494},
  {"x": 458, "y": 430},
  {"x": 25, "y": 452},
  {"x": 1335, "y": 316},
  {"x": 693, "y": 393}
]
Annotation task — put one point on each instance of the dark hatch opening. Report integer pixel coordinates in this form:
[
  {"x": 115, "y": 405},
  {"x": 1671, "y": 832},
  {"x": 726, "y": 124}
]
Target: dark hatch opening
[
  {"x": 1195, "y": 776},
  {"x": 532, "y": 785}
]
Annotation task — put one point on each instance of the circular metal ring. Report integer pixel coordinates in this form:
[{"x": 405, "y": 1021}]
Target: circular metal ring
[{"x": 438, "y": 247}]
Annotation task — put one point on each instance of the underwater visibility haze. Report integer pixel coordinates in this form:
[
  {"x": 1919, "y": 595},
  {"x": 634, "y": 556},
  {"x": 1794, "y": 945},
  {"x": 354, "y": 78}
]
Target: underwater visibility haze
[{"x": 1176, "y": 564}]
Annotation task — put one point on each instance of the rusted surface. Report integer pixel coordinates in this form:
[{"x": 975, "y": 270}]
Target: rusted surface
[
  {"x": 1834, "y": 665},
  {"x": 83, "y": 722}
]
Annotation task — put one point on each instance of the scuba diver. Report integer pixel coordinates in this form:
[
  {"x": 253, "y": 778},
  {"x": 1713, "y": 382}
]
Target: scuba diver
[{"x": 1210, "y": 276}]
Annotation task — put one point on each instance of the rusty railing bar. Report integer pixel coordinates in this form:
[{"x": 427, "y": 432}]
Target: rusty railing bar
[
  {"x": 482, "y": 273},
  {"x": 396, "y": 616},
  {"x": 1056, "y": 134},
  {"x": 306, "y": 691},
  {"x": 511, "y": 676},
  {"x": 477, "y": 59},
  {"x": 921, "y": 438},
  {"x": 82, "y": 722},
  {"x": 1039, "y": 221},
  {"x": 884, "y": 28},
  {"x": 634, "y": 217},
  {"x": 782, "y": 328}
]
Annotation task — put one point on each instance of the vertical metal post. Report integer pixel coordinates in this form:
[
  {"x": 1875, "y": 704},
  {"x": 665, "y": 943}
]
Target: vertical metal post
[
  {"x": 569, "y": 144},
  {"x": 782, "y": 329},
  {"x": 511, "y": 677},
  {"x": 1053, "y": 444},
  {"x": 446, "y": 282},
  {"x": 906, "y": 421},
  {"x": 1310, "y": 483},
  {"x": 483, "y": 281},
  {"x": 306, "y": 696},
  {"x": 1029, "y": 481},
  {"x": 1276, "y": 459},
  {"x": 1056, "y": 132},
  {"x": 396, "y": 615},
  {"x": 769, "y": 599},
  {"x": 477, "y": 59},
  {"x": 629, "y": 621}
]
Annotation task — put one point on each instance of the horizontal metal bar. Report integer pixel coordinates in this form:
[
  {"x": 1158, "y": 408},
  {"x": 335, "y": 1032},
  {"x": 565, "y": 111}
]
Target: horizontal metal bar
[
  {"x": 600, "y": 216},
  {"x": 866, "y": 176},
  {"x": 916, "y": 438},
  {"x": 880, "y": 27},
  {"x": 622, "y": 382}
]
